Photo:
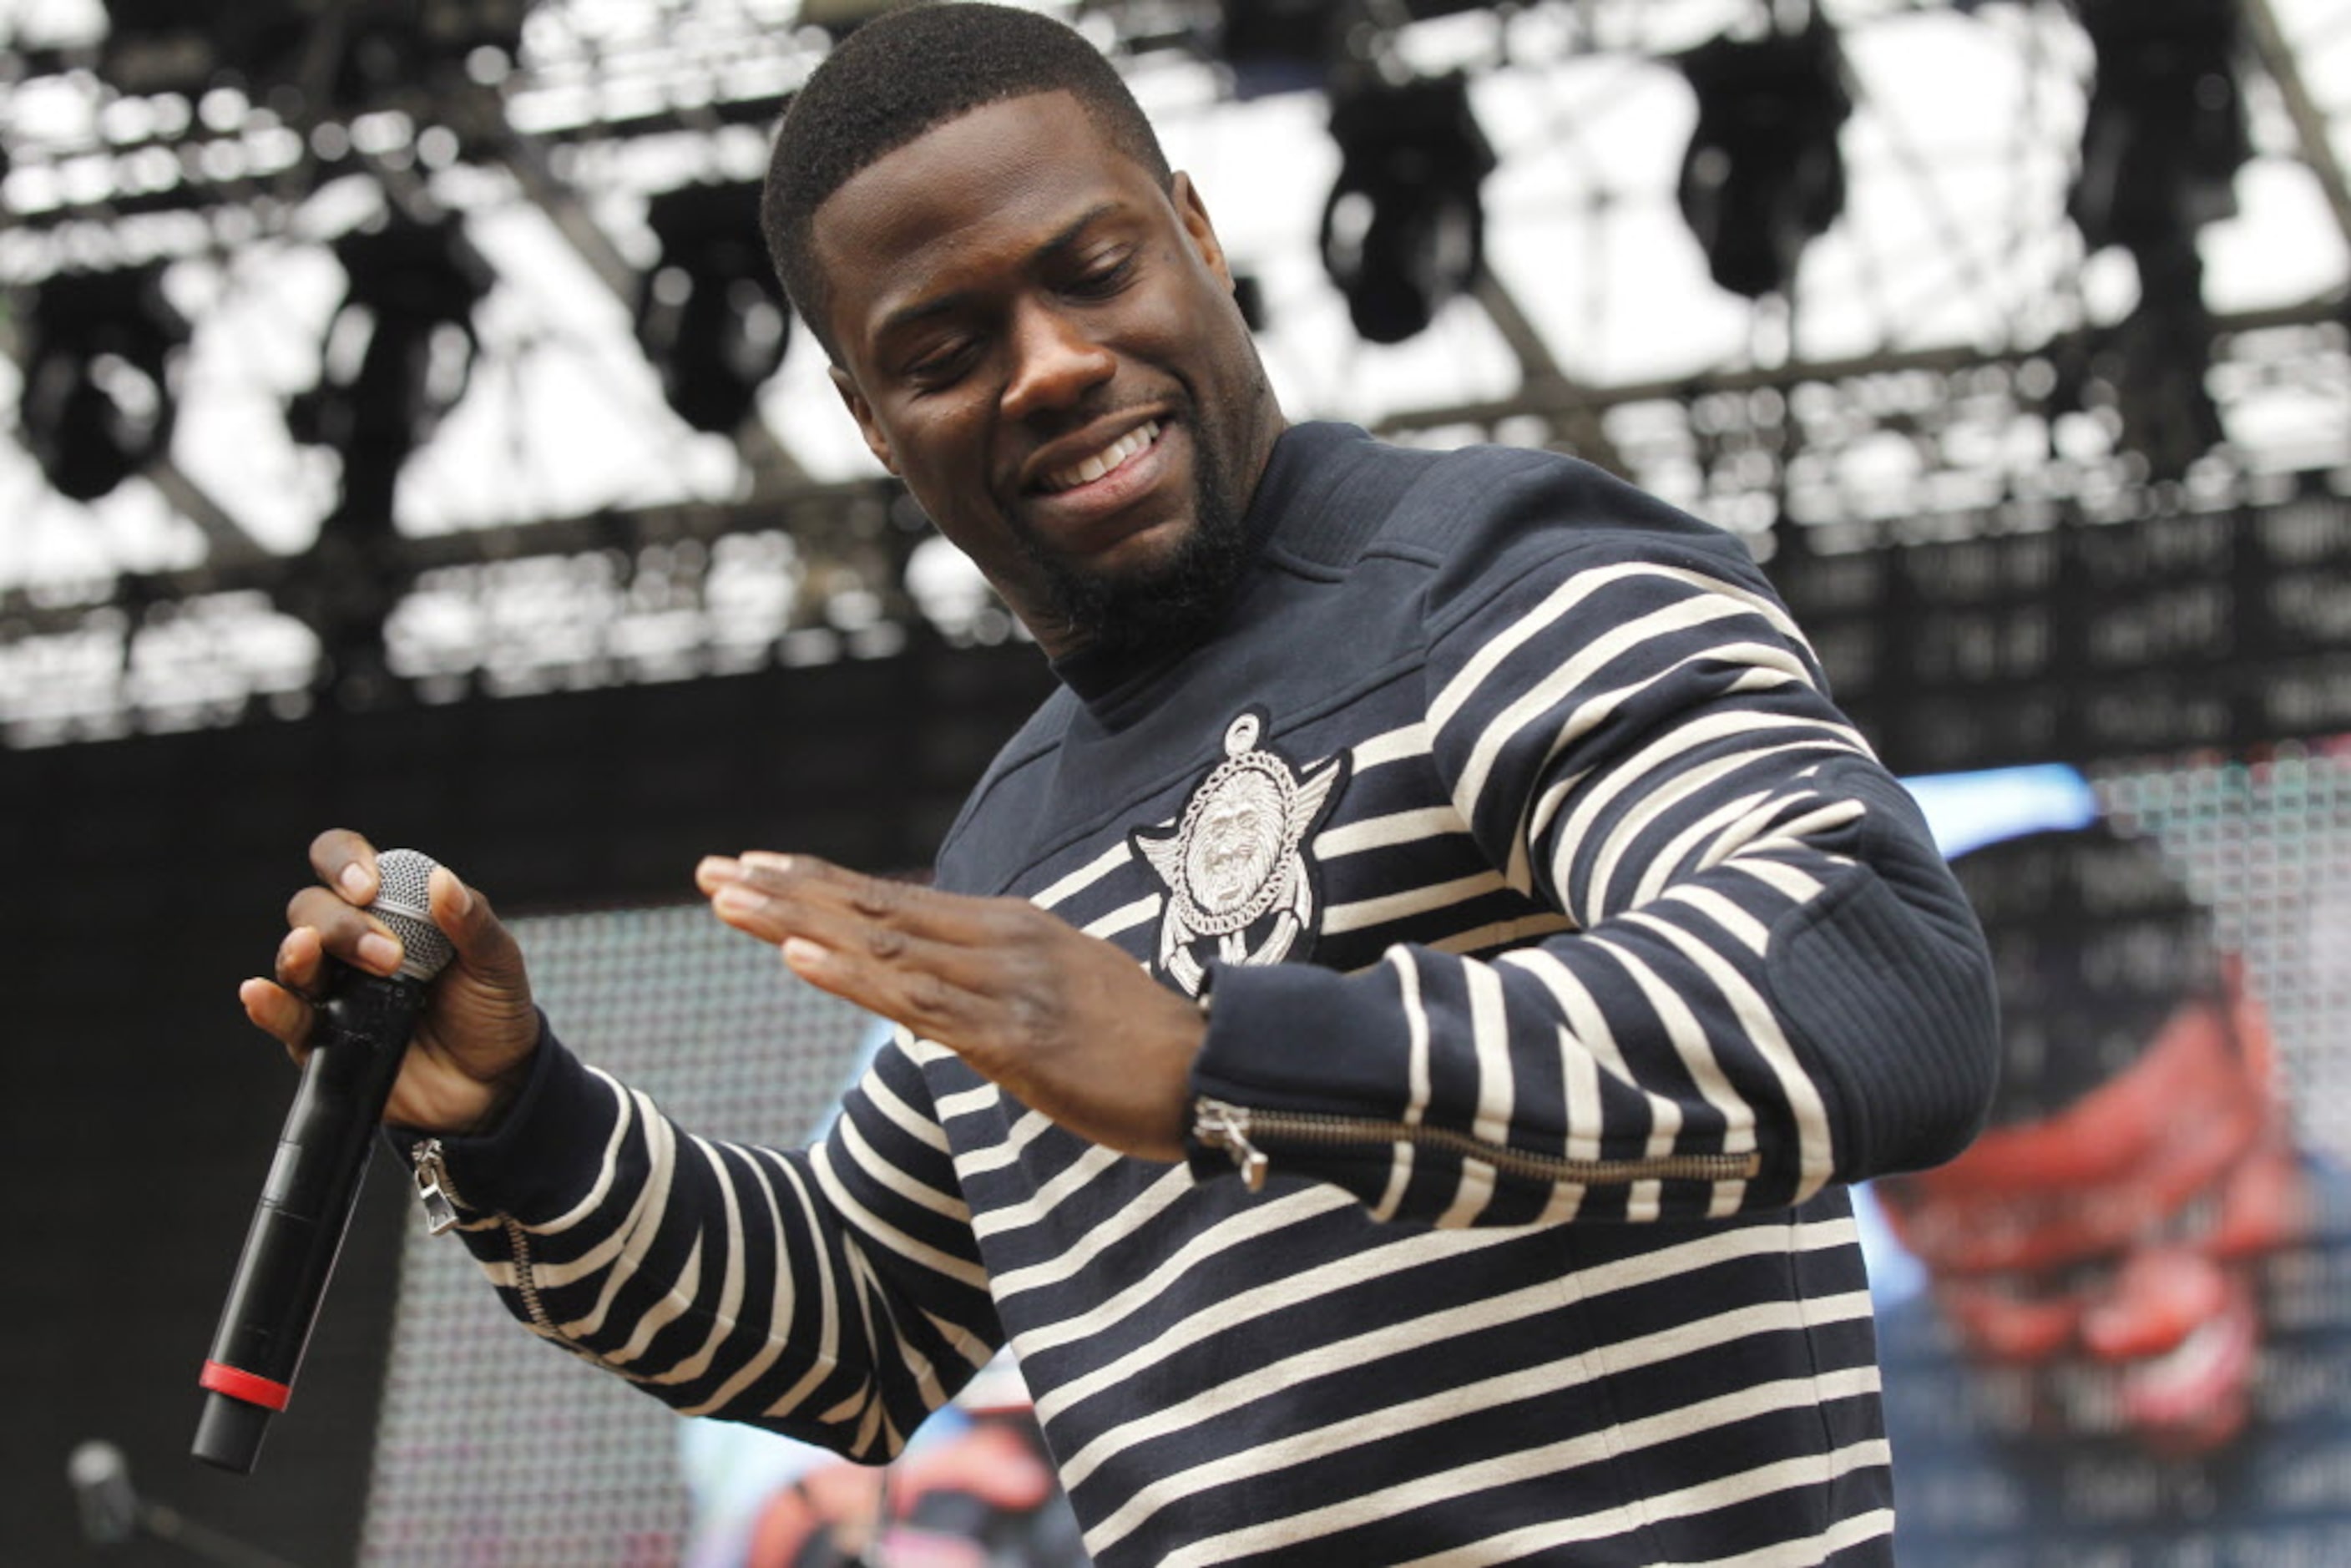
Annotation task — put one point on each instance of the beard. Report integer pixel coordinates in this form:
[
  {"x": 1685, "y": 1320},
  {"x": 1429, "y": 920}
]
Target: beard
[{"x": 1166, "y": 604}]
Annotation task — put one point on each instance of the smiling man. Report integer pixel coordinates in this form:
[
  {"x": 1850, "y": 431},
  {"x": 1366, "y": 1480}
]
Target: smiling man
[
  {"x": 1038, "y": 332},
  {"x": 1386, "y": 1039},
  {"x": 2139, "y": 1269}
]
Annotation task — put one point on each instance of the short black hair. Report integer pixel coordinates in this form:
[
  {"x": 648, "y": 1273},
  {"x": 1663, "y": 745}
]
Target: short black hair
[
  {"x": 902, "y": 74},
  {"x": 2096, "y": 943}
]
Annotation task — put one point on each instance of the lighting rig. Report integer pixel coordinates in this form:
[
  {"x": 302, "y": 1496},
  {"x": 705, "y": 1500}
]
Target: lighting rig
[{"x": 192, "y": 139}]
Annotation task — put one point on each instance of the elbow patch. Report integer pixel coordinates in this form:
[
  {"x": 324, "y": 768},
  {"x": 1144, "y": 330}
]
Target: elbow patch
[{"x": 1895, "y": 1018}]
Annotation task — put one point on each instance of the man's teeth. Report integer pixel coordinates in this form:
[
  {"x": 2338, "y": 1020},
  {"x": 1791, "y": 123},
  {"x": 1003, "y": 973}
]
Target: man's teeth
[
  {"x": 1103, "y": 462},
  {"x": 2184, "y": 1372}
]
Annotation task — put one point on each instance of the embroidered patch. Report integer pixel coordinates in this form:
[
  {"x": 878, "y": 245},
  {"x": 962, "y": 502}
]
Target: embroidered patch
[{"x": 1239, "y": 887}]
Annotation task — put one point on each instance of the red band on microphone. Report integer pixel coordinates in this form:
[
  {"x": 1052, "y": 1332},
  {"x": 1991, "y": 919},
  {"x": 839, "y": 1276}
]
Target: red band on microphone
[{"x": 244, "y": 1386}]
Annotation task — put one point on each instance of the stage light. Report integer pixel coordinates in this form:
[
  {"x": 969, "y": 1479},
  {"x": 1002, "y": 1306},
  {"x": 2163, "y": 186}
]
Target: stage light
[
  {"x": 1403, "y": 230},
  {"x": 97, "y": 404},
  {"x": 1763, "y": 176},
  {"x": 711, "y": 316},
  {"x": 2158, "y": 360},
  {"x": 409, "y": 302},
  {"x": 2162, "y": 141},
  {"x": 2164, "y": 133}
]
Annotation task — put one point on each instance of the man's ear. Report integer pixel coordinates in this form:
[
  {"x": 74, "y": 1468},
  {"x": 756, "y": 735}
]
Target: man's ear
[
  {"x": 862, "y": 412},
  {"x": 1192, "y": 213}
]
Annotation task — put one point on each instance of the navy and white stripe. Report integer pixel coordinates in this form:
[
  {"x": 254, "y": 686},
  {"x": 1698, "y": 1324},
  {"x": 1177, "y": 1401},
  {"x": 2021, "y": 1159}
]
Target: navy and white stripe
[{"x": 1609, "y": 880}]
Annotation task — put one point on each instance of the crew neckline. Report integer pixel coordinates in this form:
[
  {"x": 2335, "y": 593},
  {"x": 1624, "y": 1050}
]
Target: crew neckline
[{"x": 1280, "y": 507}]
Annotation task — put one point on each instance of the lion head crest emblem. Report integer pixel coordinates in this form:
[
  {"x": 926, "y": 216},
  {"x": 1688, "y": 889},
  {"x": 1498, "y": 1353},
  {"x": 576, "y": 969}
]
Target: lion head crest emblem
[{"x": 1239, "y": 884}]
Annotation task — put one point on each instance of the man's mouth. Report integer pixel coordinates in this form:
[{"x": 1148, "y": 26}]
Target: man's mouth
[
  {"x": 1110, "y": 458},
  {"x": 2190, "y": 1376},
  {"x": 2197, "y": 1381}
]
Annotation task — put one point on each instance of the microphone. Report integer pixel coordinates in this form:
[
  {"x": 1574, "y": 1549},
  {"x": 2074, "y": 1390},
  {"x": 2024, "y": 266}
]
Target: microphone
[
  {"x": 101, "y": 1484},
  {"x": 113, "y": 1514},
  {"x": 356, "y": 1045}
]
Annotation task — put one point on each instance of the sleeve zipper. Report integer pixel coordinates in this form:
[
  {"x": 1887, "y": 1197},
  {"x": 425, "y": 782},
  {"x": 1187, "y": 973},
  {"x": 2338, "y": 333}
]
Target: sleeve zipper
[
  {"x": 433, "y": 1189},
  {"x": 1240, "y": 1131},
  {"x": 441, "y": 1200}
]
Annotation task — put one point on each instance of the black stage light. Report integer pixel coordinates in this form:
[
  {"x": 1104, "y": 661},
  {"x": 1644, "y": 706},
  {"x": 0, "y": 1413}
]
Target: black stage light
[
  {"x": 2164, "y": 133},
  {"x": 2158, "y": 360},
  {"x": 2162, "y": 141},
  {"x": 711, "y": 315},
  {"x": 1403, "y": 230},
  {"x": 412, "y": 288},
  {"x": 1763, "y": 175},
  {"x": 96, "y": 352}
]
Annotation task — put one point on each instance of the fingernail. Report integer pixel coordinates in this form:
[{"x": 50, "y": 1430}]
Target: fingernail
[
  {"x": 737, "y": 897},
  {"x": 458, "y": 891},
  {"x": 769, "y": 859},
  {"x": 802, "y": 954},
  {"x": 356, "y": 881},
  {"x": 378, "y": 951}
]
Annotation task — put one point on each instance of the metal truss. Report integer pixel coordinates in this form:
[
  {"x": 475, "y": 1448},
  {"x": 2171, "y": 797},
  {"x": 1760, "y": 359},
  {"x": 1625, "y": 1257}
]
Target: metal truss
[{"x": 1935, "y": 371}]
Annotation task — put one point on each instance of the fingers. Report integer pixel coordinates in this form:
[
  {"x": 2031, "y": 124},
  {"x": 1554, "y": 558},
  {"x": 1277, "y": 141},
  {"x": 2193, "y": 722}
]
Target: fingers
[
  {"x": 345, "y": 865},
  {"x": 1063, "y": 1020},
  {"x": 781, "y": 897},
  {"x": 793, "y": 888},
  {"x": 351, "y": 934},
  {"x": 281, "y": 1006},
  {"x": 346, "y": 862},
  {"x": 478, "y": 1026},
  {"x": 910, "y": 953},
  {"x": 279, "y": 1013},
  {"x": 484, "y": 943},
  {"x": 345, "y": 928}
]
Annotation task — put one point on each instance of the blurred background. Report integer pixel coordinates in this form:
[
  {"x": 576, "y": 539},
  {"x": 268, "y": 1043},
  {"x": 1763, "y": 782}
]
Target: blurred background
[{"x": 402, "y": 430}]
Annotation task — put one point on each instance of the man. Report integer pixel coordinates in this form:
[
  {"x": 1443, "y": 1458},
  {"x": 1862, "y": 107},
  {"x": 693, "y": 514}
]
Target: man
[
  {"x": 1386, "y": 1036},
  {"x": 2139, "y": 1269}
]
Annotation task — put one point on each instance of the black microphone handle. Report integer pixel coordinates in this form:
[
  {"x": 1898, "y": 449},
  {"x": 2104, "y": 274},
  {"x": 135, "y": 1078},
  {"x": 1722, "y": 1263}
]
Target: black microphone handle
[{"x": 359, "y": 1036}]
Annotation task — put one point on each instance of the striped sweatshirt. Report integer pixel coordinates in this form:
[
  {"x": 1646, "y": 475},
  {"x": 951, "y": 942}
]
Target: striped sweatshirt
[{"x": 1565, "y": 951}]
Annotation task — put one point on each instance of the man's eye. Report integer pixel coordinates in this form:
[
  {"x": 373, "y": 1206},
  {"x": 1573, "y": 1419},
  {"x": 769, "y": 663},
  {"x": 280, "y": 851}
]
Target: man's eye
[
  {"x": 1102, "y": 278},
  {"x": 942, "y": 365}
]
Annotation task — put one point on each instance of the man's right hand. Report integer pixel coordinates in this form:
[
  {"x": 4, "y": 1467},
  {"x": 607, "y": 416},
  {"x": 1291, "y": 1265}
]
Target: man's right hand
[{"x": 471, "y": 1050}]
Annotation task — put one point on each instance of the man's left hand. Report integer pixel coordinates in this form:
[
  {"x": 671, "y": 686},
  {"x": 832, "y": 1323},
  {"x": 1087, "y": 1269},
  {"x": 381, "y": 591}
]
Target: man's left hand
[{"x": 1067, "y": 1023}]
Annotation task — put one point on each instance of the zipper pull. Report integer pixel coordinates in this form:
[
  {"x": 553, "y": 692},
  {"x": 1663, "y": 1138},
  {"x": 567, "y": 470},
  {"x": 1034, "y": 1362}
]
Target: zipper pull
[
  {"x": 1224, "y": 1126},
  {"x": 433, "y": 1187}
]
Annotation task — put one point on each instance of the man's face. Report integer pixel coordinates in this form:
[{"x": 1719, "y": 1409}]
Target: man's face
[
  {"x": 1042, "y": 342},
  {"x": 2106, "y": 1255}
]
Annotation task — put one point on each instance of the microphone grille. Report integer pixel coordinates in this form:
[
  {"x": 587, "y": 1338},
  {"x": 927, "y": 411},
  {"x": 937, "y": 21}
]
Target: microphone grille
[{"x": 403, "y": 901}]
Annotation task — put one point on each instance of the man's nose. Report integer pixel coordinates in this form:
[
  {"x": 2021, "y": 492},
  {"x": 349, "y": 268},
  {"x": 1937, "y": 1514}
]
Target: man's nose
[
  {"x": 1054, "y": 363},
  {"x": 2156, "y": 1300}
]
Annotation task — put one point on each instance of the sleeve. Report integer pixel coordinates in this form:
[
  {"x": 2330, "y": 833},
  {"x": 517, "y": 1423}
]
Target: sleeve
[
  {"x": 1769, "y": 981},
  {"x": 832, "y": 1294}
]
